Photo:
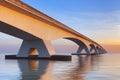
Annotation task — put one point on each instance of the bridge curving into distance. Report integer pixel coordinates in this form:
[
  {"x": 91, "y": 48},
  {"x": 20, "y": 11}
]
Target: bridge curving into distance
[{"x": 37, "y": 30}]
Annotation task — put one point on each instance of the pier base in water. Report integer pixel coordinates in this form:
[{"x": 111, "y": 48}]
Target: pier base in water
[
  {"x": 53, "y": 57},
  {"x": 84, "y": 54}
]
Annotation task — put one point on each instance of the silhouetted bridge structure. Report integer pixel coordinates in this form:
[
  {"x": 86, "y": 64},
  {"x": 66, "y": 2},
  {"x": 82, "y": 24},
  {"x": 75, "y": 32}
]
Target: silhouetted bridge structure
[{"x": 37, "y": 30}]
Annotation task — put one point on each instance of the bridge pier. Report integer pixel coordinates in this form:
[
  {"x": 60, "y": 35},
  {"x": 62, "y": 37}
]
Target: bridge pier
[
  {"x": 100, "y": 50},
  {"x": 92, "y": 47},
  {"x": 82, "y": 46},
  {"x": 44, "y": 48},
  {"x": 79, "y": 51}
]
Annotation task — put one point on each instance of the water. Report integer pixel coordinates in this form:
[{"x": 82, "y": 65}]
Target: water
[{"x": 102, "y": 67}]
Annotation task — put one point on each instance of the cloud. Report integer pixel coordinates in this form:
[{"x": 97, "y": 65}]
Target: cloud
[{"x": 90, "y": 20}]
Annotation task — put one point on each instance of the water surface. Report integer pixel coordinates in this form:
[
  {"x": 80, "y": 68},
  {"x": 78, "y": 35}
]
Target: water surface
[{"x": 99, "y": 67}]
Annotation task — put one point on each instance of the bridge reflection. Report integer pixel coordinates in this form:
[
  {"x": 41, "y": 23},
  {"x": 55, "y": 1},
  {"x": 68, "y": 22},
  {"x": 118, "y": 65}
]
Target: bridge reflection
[
  {"x": 33, "y": 69},
  {"x": 57, "y": 70},
  {"x": 85, "y": 65}
]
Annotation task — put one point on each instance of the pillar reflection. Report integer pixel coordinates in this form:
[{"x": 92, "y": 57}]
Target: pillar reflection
[
  {"x": 32, "y": 69},
  {"x": 84, "y": 66}
]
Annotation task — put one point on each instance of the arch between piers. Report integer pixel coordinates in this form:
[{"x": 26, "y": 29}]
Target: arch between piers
[
  {"x": 93, "y": 49},
  {"x": 81, "y": 44},
  {"x": 89, "y": 48}
]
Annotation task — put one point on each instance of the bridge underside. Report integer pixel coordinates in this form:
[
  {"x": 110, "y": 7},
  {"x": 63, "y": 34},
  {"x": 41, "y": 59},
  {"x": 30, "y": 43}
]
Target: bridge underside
[{"x": 11, "y": 30}]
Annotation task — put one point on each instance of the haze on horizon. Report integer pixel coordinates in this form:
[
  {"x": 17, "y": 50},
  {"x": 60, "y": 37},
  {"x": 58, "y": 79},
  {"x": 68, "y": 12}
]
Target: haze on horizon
[{"x": 96, "y": 19}]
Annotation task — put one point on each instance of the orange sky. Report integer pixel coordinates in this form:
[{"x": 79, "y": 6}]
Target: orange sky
[
  {"x": 112, "y": 48},
  {"x": 109, "y": 39}
]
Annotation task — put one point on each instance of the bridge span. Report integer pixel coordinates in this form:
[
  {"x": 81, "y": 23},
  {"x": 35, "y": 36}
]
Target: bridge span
[{"x": 37, "y": 30}]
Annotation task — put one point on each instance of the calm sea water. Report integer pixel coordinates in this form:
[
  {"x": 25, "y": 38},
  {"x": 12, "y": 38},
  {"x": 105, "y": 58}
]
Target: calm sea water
[{"x": 102, "y": 67}]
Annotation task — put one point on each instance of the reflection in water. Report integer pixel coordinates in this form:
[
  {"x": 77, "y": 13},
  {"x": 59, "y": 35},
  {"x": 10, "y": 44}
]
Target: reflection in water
[
  {"x": 84, "y": 65},
  {"x": 59, "y": 70},
  {"x": 32, "y": 69},
  {"x": 96, "y": 67}
]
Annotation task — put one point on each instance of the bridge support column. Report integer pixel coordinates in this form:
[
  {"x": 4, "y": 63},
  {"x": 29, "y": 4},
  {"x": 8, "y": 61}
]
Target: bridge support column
[
  {"x": 99, "y": 50},
  {"x": 92, "y": 47},
  {"x": 43, "y": 47},
  {"x": 83, "y": 47}
]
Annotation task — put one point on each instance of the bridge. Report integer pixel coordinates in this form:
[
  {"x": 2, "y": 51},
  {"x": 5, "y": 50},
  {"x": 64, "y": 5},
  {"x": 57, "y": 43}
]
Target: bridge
[{"x": 36, "y": 29}]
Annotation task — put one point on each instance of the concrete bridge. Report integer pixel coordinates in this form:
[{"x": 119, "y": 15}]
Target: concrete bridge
[{"x": 37, "y": 30}]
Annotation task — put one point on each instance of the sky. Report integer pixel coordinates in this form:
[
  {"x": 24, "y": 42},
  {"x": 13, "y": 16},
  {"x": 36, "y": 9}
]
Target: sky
[{"x": 96, "y": 19}]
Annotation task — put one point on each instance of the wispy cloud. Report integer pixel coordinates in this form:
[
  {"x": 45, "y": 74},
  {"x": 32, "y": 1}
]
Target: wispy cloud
[{"x": 91, "y": 20}]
